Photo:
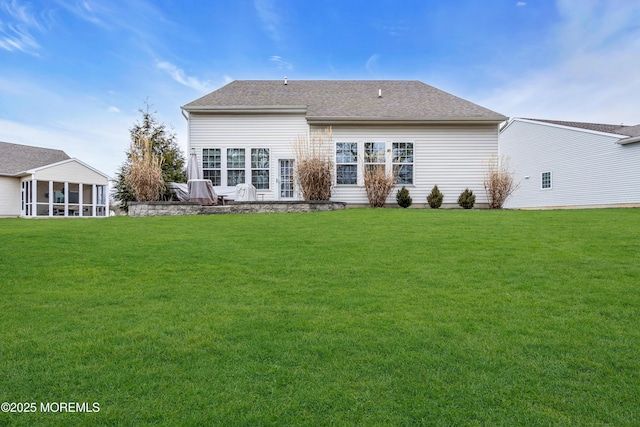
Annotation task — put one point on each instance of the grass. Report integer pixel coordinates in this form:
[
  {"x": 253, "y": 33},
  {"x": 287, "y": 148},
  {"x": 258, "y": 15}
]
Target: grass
[{"x": 357, "y": 317}]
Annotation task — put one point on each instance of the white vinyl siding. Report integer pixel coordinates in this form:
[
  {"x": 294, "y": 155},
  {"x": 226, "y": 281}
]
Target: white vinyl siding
[
  {"x": 588, "y": 168},
  {"x": 275, "y": 132},
  {"x": 9, "y": 196},
  {"x": 453, "y": 157}
]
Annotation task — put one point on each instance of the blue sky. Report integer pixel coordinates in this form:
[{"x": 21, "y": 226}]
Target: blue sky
[{"x": 73, "y": 73}]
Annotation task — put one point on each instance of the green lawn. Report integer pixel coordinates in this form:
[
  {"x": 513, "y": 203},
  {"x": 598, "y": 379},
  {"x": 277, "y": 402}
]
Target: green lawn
[{"x": 356, "y": 317}]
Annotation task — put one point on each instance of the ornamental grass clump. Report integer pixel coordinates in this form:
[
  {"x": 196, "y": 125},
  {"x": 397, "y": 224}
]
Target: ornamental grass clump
[
  {"x": 378, "y": 184},
  {"x": 313, "y": 168},
  {"x": 403, "y": 198},
  {"x": 144, "y": 176},
  {"x": 435, "y": 198},
  {"x": 467, "y": 199},
  {"x": 499, "y": 183}
]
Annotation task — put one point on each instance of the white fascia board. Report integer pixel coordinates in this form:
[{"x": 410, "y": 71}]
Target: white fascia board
[
  {"x": 404, "y": 120},
  {"x": 554, "y": 125},
  {"x": 248, "y": 109}
]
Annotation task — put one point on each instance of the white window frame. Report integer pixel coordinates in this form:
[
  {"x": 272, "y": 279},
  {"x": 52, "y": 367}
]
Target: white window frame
[
  {"x": 247, "y": 167},
  {"x": 267, "y": 169},
  {"x": 542, "y": 180},
  {"x": 207, "y": 170},
  {"x": 398, "y": 164},
  {"x": 357, "y": 145},
  {"x": 384, "y": 156}
]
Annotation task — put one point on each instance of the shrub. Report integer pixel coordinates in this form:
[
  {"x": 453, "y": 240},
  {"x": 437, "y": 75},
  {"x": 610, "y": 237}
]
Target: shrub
[
  {"x": 435, "y": 198},
  {"x": 498, "y": 182},
  {"x": 314, "y": 165},
  {"x": 467, "y": 199},
  {"x": 403, "y": 198}
]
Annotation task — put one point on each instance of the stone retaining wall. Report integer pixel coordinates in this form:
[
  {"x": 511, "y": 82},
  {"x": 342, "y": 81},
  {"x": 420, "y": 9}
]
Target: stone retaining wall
[{"x": 190, "y": 208}]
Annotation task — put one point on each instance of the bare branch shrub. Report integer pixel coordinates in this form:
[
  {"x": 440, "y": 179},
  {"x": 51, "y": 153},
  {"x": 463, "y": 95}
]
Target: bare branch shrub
[
  {"x": 378, "y": 184},
  {"x": 313, "y": 168},
  {"x": 144, "y": 176},
  {"x": 499, "y": 183}
]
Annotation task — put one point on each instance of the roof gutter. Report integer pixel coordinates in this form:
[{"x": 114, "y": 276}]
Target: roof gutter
[
  {"x": 408, "y": 120},
  {"x": 629, "y": 140},
  {"x": 247, "y": 109}
]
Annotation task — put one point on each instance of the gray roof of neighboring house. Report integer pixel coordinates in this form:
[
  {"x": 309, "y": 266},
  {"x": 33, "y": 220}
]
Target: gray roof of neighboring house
[
  {"x": 631, "y": 131},
  {"x": 16, "y": 158},
  {"x": 346, "y": 100}
]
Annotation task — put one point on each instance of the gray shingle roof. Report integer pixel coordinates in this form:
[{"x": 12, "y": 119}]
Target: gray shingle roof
[
  {"x": 346, "y": 99},
  {"x": 16, "y": 158},
  {"x": 623, "y": 130}
]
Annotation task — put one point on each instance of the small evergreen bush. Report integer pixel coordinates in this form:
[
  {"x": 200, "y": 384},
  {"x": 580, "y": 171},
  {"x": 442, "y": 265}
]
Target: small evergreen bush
[
  {"x": 467, "y": 199},
  {"x": 403, "y": 197},
  {"x": 435, "y": 198}
]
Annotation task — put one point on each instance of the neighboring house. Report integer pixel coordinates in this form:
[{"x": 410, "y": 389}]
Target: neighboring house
[
  {"x": 568, "y": 164},
  {"x": 41, "y": 182},
  {"x": 245, "y": 131}
]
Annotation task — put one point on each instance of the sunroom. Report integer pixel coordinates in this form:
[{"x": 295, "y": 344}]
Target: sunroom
[{"x": 68, "y": 188}]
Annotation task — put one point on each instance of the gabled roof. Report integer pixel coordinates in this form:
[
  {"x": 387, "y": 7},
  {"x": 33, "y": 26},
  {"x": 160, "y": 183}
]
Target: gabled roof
[
  {"x": 16, "y": 158},
  {"x": 401, "y": 100},
  {"x": 623, "y": 130}
]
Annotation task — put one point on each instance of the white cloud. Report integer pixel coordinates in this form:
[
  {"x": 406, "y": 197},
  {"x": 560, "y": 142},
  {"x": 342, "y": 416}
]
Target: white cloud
[
  {"x": 594, "y": 75},
  {"x": 15, "y": 31},
  {"x": 179, "y": 75},
  {"x": 113, "y": 109},
  {"x": 270, "y": 19},
  {"x": 283, "y": 65},
  {"x": 371, "y": 62},
  {"x": 521, "y": 3},
  {"x": 227, "y": 79}
]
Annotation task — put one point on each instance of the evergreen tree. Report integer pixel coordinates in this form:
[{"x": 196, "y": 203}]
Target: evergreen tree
[
  {"x": 403, "y": 198},
  {"x": 164, "y": 144},
  {"x": 467, "y": 199},
  {"x": 435, "y": 198}
]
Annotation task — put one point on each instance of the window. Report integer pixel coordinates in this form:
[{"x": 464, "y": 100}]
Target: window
[
  {"x": 260, "y": 168},
  {"x": 403, "y": 162},
  {"x": 211, "y": 165},
  {"x": 235, "y": 166},
  {"x": 545, "y": 180},
  {"x": 346, "y": 163},
  {"x": 374, "y": 155}
]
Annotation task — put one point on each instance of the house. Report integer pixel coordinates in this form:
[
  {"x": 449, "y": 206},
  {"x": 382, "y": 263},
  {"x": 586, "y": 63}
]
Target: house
[
  {"x": 41, "y": 182},
  {"x": 568, "y": 164},
  {"x": 244, "y": 132}
]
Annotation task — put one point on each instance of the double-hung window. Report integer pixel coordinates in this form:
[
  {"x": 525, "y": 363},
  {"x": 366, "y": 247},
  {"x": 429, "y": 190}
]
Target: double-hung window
[
  {"x": 374, "y": 155},
  {"x": 346, "y": 162},
  {"x": 260, "y": 168},
  {"x": 212, "y": 165},
  {"x": 235, "y": 166},
  {"x": 403, "y": 162}
]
